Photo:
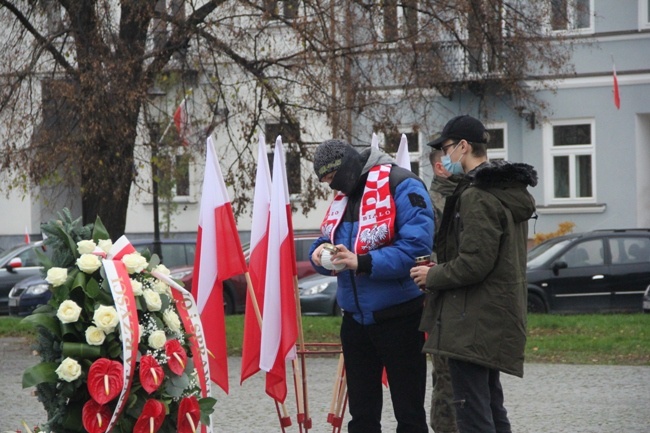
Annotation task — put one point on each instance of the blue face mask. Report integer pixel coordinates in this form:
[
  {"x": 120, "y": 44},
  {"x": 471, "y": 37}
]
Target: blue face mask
[{"x": 452, "y": 167}]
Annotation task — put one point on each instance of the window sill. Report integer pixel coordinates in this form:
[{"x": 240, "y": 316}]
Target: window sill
[
  {"x": 179, "y": 200},
  {"x": 571, "y": 208}
]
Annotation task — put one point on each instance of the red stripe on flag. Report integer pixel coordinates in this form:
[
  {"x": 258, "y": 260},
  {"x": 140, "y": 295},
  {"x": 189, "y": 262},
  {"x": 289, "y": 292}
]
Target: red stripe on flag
[
  {"x": 617, "y": 95},
  {"x": 230, "y": 257}
]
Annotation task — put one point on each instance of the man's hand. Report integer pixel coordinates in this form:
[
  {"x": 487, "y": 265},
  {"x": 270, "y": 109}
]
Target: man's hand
[
  {"x": 346, "y": 257},
  {"x": 419, "y": 275}
]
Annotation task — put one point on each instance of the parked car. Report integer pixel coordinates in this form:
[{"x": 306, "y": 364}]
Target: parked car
[
  {"x": 318, "y": 295},
  {"x": 234, "y": 289},
  {"x": 16, "y": 264},
  {"x": 28, "y": 293},
  {"x": 598, "y": 271},
  {"x": 646, "y": 300}
]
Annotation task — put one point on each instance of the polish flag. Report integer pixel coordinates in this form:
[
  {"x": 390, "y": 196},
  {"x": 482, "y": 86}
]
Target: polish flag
[
  {"x": 375, "y": 141},
  {"x": 219, "y": 256},
  {"x": 279, "y": 325},
  {"x": 181, "y": 120},
  {"x": 402, "y": 157},
  {"x": 617, "y": 95},
  {"x": 27, "y": 239},
  {"x": 250, "y": 359}
]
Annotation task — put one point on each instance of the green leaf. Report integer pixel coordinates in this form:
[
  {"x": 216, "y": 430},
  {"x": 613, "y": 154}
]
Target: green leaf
[
  {"x": 99, "y": 231},
  {"x": 43, "y": 258},
  {"x": 79, "y": 280},
  {"x": 176, "y": 385},
  {"x": 45, "y": 320},
  {"x": 80, "y": 350},
  {"x": 92, "y": 289},
  {"x": 39, "y": 373}
]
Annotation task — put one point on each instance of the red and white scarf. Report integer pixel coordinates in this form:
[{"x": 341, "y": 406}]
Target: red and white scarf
[{"x": 376, "y": 215}]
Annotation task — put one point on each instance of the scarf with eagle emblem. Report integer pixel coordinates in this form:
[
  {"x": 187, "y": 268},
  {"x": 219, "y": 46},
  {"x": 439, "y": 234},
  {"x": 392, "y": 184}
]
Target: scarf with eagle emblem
[{"x": 376, "y": 216}]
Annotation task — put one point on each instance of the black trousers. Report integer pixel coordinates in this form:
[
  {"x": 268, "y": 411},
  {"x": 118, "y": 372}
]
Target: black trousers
[
  {"x": 395, "y": 344},
  {"x": 479, "y": 398}
]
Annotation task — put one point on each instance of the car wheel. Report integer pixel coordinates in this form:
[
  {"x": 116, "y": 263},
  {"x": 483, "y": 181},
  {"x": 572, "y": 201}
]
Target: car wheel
[
  {"x": 228, "y": 302},
  {"x": 536, "y": 304}
]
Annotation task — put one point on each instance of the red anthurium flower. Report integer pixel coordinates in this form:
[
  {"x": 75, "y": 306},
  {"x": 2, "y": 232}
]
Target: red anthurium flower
[
  {"x": 152, "y": 417},
  {"x": 189, "y": 415},
  {"x": 95, "y": 417},
  {"x": 105, "y": 380},
  {"x": 177, "y": 356},
  {"x": 151, "y": 373}
]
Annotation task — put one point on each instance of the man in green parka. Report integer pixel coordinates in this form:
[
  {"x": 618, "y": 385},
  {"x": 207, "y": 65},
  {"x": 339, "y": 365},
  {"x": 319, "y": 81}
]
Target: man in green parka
[{"x": 477, "y": 314}]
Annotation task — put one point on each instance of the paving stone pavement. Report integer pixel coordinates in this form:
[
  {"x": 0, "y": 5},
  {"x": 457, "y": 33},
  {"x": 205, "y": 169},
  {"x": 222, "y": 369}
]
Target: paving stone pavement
[{"x": 551, "y": 398}]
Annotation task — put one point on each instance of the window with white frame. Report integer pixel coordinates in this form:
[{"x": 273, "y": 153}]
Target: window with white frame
[
  {"x": 570, "y": 162},
  {"x": 400, "y": 19},
  {"x": 497, "y": 147},
  {"x": 391, "y": 144},
  {"x": 644, "y": 14},
  {"x": 574, "y": 16}
]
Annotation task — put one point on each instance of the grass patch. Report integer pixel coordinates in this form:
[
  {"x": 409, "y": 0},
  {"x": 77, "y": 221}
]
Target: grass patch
[{"x": 612, "y": 339}]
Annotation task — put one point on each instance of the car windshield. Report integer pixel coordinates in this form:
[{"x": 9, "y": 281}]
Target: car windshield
[{"x": 544, "y": 251}]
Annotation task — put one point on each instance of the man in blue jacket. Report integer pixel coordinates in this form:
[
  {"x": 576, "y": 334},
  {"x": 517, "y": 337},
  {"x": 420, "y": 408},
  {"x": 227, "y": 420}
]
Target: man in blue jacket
[{"x": 380, "y": 220}]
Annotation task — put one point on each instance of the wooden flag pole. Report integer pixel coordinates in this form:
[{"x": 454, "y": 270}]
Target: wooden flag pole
[
  {"x": 301, "y": 396},
  {"x": 284, "y": 418}
]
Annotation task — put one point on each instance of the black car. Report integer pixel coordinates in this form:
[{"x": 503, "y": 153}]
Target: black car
[
  {"x": 16, "y": 264},
  {"x": 28, "y": 293},
  {"x": 598, "y": 271}
]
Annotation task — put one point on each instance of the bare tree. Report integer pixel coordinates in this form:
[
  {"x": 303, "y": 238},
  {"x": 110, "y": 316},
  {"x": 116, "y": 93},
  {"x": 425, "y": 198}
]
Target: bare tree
[{"x": 80, "y": 78}]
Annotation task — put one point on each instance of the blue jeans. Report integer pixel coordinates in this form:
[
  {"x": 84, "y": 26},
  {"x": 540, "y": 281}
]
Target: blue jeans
[
  {"x": 397, "y": 345},
  {"x": 478, "y": 396}
]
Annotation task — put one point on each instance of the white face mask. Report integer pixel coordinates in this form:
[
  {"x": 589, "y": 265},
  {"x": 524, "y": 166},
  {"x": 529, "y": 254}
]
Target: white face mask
[{"x": 452, "y": 167}]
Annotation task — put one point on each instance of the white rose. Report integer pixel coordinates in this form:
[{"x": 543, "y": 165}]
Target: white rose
[
  {"x": 89, "y": 263},
  {"x": 105, "y": 245},
  {"x": 157, "y": 339},
  {"x": 105, "y": 318},
  {"x": 69, "y": 370},
  {"x": 85, "y": 247},
  {"x": 161, "y": 287},
  {"x": 171, "y": 320},
  {"x": 162, "y": 269},
  {"x": 134, "y": 263},
  {"x": 152, "y": 299},
  {"x": 68, "y": 312},
  {"x": 95, "y": 336},
  {"x": 56, "y": 276},
  {"x": 137, "y": 287}
]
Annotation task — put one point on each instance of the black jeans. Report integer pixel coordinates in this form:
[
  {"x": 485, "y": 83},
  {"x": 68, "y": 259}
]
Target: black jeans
[
  {"x": 397, "y": 345},
  {"x": 479, "y": 398}
]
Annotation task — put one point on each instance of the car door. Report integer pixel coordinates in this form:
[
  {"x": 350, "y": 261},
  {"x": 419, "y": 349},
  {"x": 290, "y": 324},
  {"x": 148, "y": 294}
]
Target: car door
[
  {"x": 582, "y": 279},
  {"x": 29, "y": 265},
  {"x": 630, "y": 271}
]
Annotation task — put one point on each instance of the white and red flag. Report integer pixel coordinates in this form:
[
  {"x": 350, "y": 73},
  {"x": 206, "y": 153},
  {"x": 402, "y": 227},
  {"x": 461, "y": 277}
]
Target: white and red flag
[
  {"x": 402, "y": 157},
  {"x": 182, "y": 122},
  {"x": 27, "y": 239},
  {"x": 250, "y": 359},
  {"x": 219, "y": 256},
  {"x": 617, "y": 95},
  {"x": 279, "y": 324}
]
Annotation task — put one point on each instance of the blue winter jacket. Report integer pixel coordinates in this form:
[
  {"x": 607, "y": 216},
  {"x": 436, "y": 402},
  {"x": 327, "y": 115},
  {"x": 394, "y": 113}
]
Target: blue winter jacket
[{"x": 388, "y": 284}]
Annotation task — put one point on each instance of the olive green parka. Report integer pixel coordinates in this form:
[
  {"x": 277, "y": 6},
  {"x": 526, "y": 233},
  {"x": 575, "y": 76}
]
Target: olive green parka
[{"x": 478, "y": 309}]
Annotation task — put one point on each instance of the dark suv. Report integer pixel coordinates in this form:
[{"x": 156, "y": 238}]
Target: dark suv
[
  {"x": 28, "y": 293},
  {"x": 598, "y": 271}
]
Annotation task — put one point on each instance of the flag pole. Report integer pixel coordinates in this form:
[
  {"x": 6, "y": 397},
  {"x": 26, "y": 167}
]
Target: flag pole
[
  {"x": 302, "y": 396},
  {"x": 283, "y": 417}
]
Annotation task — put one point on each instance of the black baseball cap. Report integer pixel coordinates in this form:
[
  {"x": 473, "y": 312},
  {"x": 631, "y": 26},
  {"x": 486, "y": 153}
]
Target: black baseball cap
[{"x": 461, "y": 127}]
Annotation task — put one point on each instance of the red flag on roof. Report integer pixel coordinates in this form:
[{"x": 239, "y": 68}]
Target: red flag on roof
[
  {"x": 279, "y": 325},
  {"x": 617, "y": 95},
  {"x": 219, "y": 256},
  {"x": 250, "y": 360}
]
